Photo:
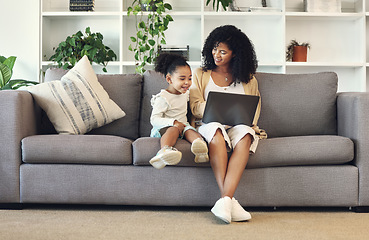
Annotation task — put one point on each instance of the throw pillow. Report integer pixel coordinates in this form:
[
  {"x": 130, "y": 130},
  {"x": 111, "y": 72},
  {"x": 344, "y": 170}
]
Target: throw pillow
[{"x": 77, "y": 103}]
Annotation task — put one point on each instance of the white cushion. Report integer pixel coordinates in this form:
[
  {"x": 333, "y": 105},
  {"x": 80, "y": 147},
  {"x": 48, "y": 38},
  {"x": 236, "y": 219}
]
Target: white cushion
[{"x": 77, "y": 103}]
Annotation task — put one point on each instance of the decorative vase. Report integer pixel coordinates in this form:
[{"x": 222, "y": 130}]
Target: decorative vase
[{"x": 299, "y": 54}]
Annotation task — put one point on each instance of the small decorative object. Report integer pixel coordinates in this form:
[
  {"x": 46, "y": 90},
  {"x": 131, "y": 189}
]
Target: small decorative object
[
  {"x": 81, "y": 5},
  {"x": 322, "y": 5},
  {"x": 6, "y": 72},
  {"x": 180, "y": 50},
  {"x": 252, "y": 6},
  {"x": 70, "y": 51},
  {"x": 297, "y": 52},
  {"x": 150, "y": 30}
]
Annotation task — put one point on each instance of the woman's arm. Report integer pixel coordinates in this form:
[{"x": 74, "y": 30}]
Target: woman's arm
[{"x": 197, "y": 100}]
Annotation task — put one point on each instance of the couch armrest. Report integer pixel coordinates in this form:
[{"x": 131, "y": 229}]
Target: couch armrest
[
  {"x": 353, "y": 122},
  {"x": 18, "y": 120}
]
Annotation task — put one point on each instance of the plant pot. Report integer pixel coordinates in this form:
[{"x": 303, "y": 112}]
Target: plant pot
[{"x": 299, "y": 54}]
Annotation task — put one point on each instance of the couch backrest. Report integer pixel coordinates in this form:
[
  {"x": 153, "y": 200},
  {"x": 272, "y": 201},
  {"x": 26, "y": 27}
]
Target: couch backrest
[
  {"x": 125, "y": 91},
  {"x": 298, "y": 104},
  {"x": 292, "y": 104},
  {"x": 153, "y": 82}
]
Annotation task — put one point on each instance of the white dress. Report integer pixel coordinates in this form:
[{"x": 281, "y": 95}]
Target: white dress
[{"x": 232, "y": 135}]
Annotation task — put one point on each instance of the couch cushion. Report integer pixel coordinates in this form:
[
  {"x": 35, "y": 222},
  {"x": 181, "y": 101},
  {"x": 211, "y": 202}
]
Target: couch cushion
[
  {"x": 77, "y": 103},
  {"x": 153, "y": 82},
  {"x": 298, "y": 104},
  {"x": 82, "y": 149},
  {"x": 274, "y": 152},
  {"x": 123, "y": 89},
  {"x": 302, "y": 150}
]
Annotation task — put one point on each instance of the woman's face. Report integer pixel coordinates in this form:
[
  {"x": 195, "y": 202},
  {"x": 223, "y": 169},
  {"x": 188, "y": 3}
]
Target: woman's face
[{"x": 222, "y": 54}]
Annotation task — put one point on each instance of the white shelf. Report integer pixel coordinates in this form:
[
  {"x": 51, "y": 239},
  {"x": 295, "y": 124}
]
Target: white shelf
[
  {"x": 80, "y": 14},
  {"x": 324, "y": 64},
  {"x": 324, "y": 15},
  {"x": 339, "y": 41}
]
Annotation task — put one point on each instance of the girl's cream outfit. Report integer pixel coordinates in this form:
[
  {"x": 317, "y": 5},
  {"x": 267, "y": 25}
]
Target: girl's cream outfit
[
  {"x": 168, "y": 107},
  {"x": 203, "y": 84}
]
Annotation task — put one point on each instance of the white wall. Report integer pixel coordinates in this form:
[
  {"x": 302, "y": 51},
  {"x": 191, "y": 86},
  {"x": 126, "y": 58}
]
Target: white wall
[{"x": 19, "y": 36}]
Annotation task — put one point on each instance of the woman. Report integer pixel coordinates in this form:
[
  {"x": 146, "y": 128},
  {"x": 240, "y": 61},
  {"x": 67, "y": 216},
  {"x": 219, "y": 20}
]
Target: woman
[{"x": 229, "y": 66}]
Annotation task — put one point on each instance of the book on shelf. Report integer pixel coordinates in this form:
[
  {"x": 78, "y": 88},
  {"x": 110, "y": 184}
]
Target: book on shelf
[{"x": 81, "y": 5}]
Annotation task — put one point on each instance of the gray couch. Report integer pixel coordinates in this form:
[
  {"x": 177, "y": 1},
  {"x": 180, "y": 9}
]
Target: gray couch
[{"x": 316, "y": 153}]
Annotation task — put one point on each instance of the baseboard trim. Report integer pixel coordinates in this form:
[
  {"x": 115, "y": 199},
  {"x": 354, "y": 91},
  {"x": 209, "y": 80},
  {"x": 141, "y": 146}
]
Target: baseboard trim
[
  {"x": 11, "y": 206},
  {"x": 361, "y": 209}
]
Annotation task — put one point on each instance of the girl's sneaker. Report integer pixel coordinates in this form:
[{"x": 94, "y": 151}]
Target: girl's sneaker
[
  {"x": 200, "y": 149},
  {"x": 166, "y": 156}
]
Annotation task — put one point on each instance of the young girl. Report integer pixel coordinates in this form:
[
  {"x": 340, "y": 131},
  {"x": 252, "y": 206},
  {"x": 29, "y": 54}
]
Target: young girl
[{"x": 169, "y": 114}]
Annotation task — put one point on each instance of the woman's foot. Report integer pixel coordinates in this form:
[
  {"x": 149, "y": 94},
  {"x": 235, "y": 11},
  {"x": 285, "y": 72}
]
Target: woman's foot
[
  {"x": 166, "y": 156},
  {"x": 238, "y": 213},
  {"x": 200, "y": 149},
  {"x": 222, "y": 209}
]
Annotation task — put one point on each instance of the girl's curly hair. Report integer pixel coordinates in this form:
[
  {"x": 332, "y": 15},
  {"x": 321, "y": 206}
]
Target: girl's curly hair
[
  {"x": 244, "y": 63},
  {"x": 167, "y": 63}
]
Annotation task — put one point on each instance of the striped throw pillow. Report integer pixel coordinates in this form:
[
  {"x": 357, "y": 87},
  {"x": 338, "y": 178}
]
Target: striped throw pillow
[{"x": 77, "y": 103}]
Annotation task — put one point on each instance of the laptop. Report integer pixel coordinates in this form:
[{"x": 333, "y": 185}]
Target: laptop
[{"x": 230, "y": 108}]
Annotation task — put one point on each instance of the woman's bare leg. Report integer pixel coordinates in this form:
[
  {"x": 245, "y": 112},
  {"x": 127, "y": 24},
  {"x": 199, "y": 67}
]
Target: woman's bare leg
[
  {"x": 219, "y": 159},
  {"x": 236, "y": 165}
]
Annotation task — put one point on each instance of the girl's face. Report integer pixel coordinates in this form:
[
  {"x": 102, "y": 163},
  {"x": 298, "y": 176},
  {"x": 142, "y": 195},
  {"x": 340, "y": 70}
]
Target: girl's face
[
  {"x": 222, "y": 54},
  {"x": 180, "y": 80}
]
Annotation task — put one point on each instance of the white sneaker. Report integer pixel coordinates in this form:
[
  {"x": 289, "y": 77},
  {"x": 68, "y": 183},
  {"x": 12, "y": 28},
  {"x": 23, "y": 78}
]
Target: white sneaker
[
  {"x": 222, "y": 209},
  {"x": 200, "y": 149},
  {"x": 238, "y": 213},
  {"x": 166, "y": 156}
]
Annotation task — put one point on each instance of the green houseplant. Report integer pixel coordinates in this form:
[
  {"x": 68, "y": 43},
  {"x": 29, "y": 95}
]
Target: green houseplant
[
  {"x": 70, "y": 51},
  {"x": 150, "y": 28},
  {"x": 292, "y": 49},
  {"x": 225, "y": 3},
  {"x": 6, "y": 72}
]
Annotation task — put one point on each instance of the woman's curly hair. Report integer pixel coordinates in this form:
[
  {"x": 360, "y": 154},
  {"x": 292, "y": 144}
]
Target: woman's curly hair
[{"x": 244, "y": 63}]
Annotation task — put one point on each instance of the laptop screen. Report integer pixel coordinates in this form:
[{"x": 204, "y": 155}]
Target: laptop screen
[{"x": 230, "y": 109}]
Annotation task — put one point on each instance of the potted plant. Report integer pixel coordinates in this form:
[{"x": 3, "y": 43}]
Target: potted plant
[
  {"x": 150, "y": 30},
  {"x": 297, "y": 52},
  {"x": 225, "y": 3},
  {"x": 70, "y": 51},
  {"x": 6, "y": 72}
]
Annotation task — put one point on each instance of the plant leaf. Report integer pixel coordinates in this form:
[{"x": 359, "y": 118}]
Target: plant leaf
[
  {"x": 140, "y": 35},
  {"x": 168, "y": 6},
  {"x": 2, "y": 59},
  {"x": 88, "y": 30},
  {"x": 10, "y": 61},
  {"x": 152, "y": 42},
  {"x": 15, "y": 84},
  {"x": 5, "y": 74}
]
